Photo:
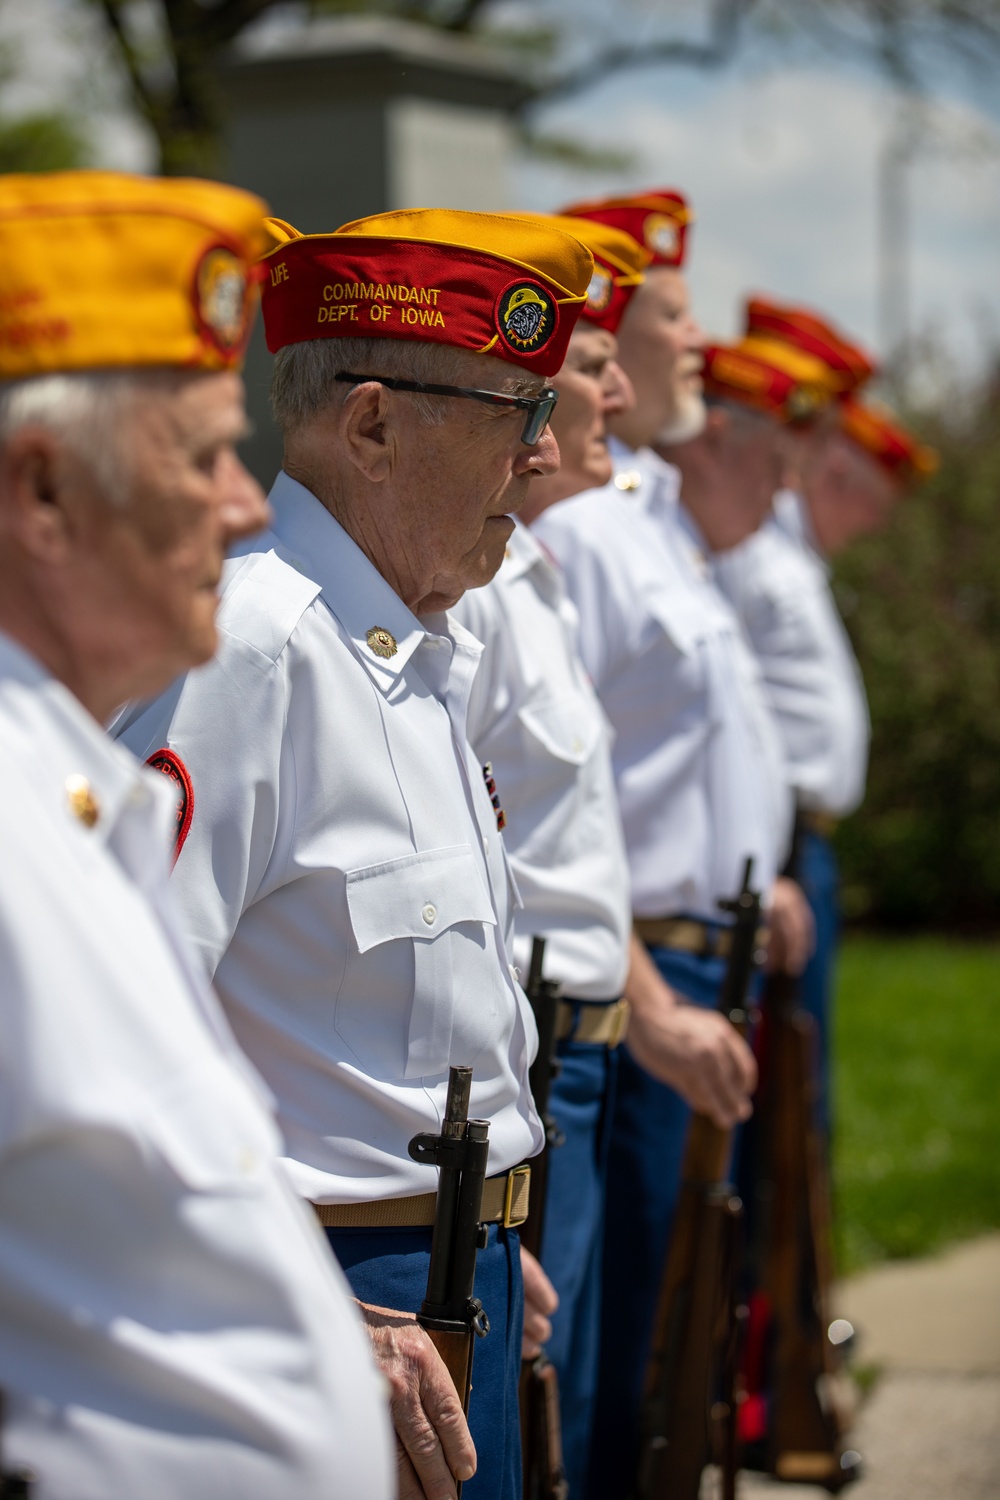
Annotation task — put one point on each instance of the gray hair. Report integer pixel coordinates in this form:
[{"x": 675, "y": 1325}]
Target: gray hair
[
  {"x": 85, "y": 409},
  {"x": 304, "y": 379}
]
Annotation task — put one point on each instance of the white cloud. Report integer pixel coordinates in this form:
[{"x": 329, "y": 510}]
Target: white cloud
[{"x": 782, "y": 171}]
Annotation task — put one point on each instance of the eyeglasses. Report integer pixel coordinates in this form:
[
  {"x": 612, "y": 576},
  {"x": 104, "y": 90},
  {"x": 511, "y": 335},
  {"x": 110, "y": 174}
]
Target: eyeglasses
[{"x": 539, "y": 408}]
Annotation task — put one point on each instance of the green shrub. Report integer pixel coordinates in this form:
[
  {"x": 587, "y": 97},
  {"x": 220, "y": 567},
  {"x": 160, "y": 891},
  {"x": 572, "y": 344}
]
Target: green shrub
[{"x": 922, "y": 603}]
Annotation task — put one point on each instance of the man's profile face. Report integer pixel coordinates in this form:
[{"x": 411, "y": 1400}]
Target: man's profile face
[
  {"x": 660, "y": 346},
  {"x": 592, "y": 388},
  {"x": 849, "y": 494},
  {"x": 148, "y": 567},
  {"x": 464, "y": 478}
]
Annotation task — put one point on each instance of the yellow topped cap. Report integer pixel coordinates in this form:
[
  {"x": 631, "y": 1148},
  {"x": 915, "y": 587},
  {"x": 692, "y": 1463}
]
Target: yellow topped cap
[
  {"x": 619, "y": 266},
  {"x": 805, "y": 369},
  {"x": 489, "y": 283},
  {"x": 105, "y": 270},
  {"x": 535, "y": 247}
]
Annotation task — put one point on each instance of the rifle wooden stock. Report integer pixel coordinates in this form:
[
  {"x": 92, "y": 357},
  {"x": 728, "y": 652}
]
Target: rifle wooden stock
[
  {"x": 541, "y": 1431},
  {"x": 692, "y": 1324},
  {"x": 451, "y": 1314},
  {"x": 684, "y": 1424},
  {"x": 455, "y": 1347},
  {"x": 793, "y": 1261},
  {"x": 544, "y": 1474}
]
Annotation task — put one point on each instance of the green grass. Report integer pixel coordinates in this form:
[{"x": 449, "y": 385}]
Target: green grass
[{"x": 917, "y": 1149}]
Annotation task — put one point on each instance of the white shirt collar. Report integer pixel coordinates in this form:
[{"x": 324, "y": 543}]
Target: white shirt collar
[
  {"x": 352, "y": 587},
  {"x": 524, "y": 552},
  {"x": 792, "y": 515}
]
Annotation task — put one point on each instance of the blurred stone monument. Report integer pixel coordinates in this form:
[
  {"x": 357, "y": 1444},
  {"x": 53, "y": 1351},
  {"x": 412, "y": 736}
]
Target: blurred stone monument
[{"x": 335, "y": 119}]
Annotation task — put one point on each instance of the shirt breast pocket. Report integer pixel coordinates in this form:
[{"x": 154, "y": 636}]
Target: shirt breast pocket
[
  {"x": 422, "y": 989},
  {"x": 567, "y": 728},
  {"x": 679, "y": 621}
]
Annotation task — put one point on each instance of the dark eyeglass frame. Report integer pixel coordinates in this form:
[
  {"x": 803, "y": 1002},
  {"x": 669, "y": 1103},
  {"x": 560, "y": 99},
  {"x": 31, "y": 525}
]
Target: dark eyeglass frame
[{"x": 539, "y": 408}]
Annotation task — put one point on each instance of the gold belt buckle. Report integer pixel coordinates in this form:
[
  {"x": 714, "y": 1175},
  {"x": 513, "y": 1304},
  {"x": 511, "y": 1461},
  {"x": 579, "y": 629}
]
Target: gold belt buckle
[
  {"x": 619, "y": 1024},
  {"x": 514, "y": 1210}
]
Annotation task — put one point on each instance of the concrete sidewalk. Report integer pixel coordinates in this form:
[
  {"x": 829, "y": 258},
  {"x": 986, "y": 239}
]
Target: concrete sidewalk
[{"x": 931, "y": 1428}]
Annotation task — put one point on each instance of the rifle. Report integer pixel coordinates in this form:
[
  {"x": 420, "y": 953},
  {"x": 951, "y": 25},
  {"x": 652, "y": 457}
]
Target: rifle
[
  {"x": 694, "y": 1348},
  {"x": 538, "y": 1388},
  {"x": 452, "y": 1315},
  {"x": 794, "y": 1418},
  {"x": 16, "y": 1483}
]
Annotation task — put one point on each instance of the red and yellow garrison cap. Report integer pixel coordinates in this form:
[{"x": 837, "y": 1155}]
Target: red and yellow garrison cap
[
  {"x": 619, "y": 264},
  {"x": 657, "y": 220},
  {"x": 878, "y": 432},
  {"x": 105, "y": 270},
  {"x": 490, "y": 283},
  {"x": 798, "y": 328},
  {"x": 785, "y": 383}
]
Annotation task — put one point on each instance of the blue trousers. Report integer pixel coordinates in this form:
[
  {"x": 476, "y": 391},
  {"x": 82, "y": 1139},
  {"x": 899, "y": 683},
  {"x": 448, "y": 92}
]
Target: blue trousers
[
  {"x": 580, "y": 1102},
  {"x": 648, "y": 1134},
  {"x": 388, "y": 1267},
  {"x": 819, "y": 878}
]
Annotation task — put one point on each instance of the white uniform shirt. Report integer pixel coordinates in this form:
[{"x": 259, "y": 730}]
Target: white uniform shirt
[
  {"x": 343, "y": 877},
  {"x": 696, "y": 759},
  {"x": 535, "y": 717},
  {"x": 780, "y": 587},
  {"x": 171, "y": 1323}
]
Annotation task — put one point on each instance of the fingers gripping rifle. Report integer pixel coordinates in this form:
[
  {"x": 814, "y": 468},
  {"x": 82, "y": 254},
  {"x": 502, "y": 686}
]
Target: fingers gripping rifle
[
  {"x": 538, "y": 1390},
  {"x": 451, "y": 1314},
  {"x": 692, "y": 1358}
]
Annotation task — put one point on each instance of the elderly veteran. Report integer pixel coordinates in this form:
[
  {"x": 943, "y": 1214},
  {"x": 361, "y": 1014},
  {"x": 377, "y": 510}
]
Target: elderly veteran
[
  {"x": 170, "y": 1326},
  {"x": 535, "y": 718},
  {"x": 699, "y": 778},
  {"x": 344, "y": 878},
  {"x": 849, "y": 470}
]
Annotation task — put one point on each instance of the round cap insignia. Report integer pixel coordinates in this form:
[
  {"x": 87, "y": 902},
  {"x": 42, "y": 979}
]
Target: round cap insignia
[
  {"x": 599, "y": 291},
  {"x": 803, "y": 402},
  {"x": 660, "y": 234},
  {"x": 526, "y": 317},
  {"x": 221, "y": 297},
  {"x": 382, "y": 642}
]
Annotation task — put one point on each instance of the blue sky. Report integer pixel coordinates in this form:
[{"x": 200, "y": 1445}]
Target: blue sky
[{"x": 780, "y": 163}]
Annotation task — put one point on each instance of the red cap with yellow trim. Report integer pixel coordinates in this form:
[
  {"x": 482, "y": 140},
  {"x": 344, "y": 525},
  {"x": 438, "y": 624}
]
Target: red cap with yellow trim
[
  {"x": 103, "y": 270},
  {"x": 878, "y": 432},
  {"x": 491, "y": 283},
  {"x": 784, "y": 383},
  {"x": 658, "y": 220},
  {"x": 849, "y": 365},
  {"x": 619, "y": 264}
]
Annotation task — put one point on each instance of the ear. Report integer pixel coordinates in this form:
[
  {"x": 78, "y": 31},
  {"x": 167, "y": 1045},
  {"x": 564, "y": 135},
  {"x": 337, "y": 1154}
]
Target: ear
[
  {"x": 366, "y": 431},
  {"x": 34, "y": 478},
  {"x": 718, "y": 426}
]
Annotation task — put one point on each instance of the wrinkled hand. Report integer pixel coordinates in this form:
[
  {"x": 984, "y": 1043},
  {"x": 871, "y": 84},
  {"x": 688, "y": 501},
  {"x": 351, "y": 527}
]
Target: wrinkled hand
[
  {"x": 793, "y": 931},
  {"x": 540, "y": 1302},
  {"x": 432, "y": 1436},
  {"x": 701, "y": 1055}
]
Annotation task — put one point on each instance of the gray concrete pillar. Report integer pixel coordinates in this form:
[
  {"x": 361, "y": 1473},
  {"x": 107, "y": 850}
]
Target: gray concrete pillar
[{"x": 341, "y": 118}]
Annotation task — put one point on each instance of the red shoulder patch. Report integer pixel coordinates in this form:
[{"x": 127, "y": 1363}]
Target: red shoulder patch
[{"x": 170, "y": 765}]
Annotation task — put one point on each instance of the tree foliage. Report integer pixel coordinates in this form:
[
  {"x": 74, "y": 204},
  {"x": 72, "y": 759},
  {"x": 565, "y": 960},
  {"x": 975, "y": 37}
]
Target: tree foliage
[
  {"x": 170, "y": 67},
  {"x": 922, "y": 603},
  {"x": 40, "y": 143}
]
